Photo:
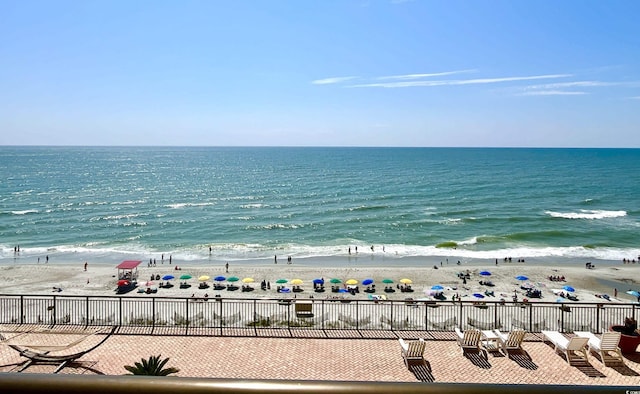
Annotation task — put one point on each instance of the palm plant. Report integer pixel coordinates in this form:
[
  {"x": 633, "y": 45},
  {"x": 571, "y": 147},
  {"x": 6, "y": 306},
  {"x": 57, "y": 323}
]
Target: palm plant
[{"x": 154, "y": 366}]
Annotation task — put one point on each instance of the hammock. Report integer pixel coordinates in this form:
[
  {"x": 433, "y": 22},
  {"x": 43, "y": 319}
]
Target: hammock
[{"x": 41, "y": 353}]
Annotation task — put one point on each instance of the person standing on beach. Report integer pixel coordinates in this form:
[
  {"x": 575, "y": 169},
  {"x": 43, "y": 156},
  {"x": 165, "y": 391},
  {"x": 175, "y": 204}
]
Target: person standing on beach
[
  {"x": 47, "y": 259},
  {"x": 226, "y": 267},
  {"x": 170, "y": 258},
  {"x": 85, "y": 265},
  {"x": 275, "y": 259}
]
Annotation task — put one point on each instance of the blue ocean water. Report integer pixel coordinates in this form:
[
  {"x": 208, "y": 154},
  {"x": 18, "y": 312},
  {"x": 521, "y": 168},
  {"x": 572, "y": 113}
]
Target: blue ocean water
[{"x": 108, "y": 203}]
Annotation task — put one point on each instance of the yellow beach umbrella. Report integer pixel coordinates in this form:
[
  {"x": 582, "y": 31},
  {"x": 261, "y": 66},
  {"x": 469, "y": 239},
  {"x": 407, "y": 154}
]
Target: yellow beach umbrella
[
  {"x": 248, "y": 280},
  {"x": 204, "y": 278},
  {"x": 351, "y": 282},
  {"x": 296, "y": 282},
  {"x": 406, "y": 281}
]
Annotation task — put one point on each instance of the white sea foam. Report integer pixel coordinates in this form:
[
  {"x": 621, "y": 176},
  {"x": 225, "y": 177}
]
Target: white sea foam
[
  {"x": 26, "y": 211},
  {"x": 587, "y": 214},
  {"x": 188, "y": 204}
]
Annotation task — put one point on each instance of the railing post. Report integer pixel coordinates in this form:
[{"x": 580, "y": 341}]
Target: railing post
[
  {"x": 186, "y": 326},
  {"x": 391, "y": 314},
  {"x": 22, "y": 316},
  {"x": 598, "y": 318},
  {"x": 153, "y": 312},
  {"x": 220, "y": 301},
  {"x": 358, "y": 316},
  {"x": 120, "y": 310},
  {"x": 86, "y": 320},
  {"x": 460, "y": 317},
  {"x": 52, "y": 309},
  {"x": 255, "y": 317}
]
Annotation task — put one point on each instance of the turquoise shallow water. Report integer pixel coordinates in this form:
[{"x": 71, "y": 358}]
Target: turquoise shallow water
[{"x": 94, "y": 203}]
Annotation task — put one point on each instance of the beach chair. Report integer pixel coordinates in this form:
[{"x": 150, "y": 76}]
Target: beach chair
[
  {"x": 575, "y": 349},
  {"x": 606, "y": 346},
  {"x": 412, "y": 350},
  {"x": 304, "y": 309},
  {"x": 470, "y": 339},
  {"x": 512, "y": 341}
]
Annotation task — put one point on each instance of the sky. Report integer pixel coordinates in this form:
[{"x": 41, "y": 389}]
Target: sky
[{"x": 449, "y": 73}]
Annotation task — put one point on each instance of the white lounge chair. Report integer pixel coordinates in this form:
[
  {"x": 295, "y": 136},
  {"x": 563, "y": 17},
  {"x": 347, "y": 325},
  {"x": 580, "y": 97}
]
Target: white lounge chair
[
  {"x": 511, "y": 341},
  {"x": 606, "y": 346},
  {"x": 470, "y": 339},
  {"x": 412, "y": 350},
  {"x": 574, "y": 348}
]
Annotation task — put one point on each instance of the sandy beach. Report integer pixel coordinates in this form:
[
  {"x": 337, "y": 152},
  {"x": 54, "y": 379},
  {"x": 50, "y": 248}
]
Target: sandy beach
[{"x": 100, "y": 279}]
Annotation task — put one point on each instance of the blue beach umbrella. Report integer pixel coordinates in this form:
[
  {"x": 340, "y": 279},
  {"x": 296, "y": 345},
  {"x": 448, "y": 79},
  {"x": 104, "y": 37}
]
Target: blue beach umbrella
[
  {"x": 219, "y": 278},
  {"x": 318, "y": 281},
  {"x": 367, "y": 282},
  {"x": 568, "y": 288},
  {"x": 485, "y": 273},
  {"x": 168, "y": 277},
  {"x": 633, "y": 293},
  {"x": 521, "y": 277},
  {"x": 478, "y": 295},
  {"x": 437, "y": 287}
]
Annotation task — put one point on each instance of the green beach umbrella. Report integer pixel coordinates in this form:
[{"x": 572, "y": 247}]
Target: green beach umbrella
[
  {"x": 233, "y": 279},
  {"x": 387, "y": 281},
  {"x": 281, "y": 281},
  {"x": 335, "y": 280},
  {"x": 185, "y": 277}
]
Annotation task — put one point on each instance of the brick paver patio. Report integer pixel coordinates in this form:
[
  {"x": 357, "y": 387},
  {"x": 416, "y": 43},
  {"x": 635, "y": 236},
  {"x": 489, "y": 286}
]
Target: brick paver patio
[{"x": 338, "y": 359}]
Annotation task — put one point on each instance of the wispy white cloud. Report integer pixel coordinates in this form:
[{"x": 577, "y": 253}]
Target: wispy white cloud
[
  {"x": 573, "y": 84},
  {"x": 418, "y": 76},
  {"x": 552, "y": 93},
  {"x": 328, "y": 81},
  {"x": 476, "y": 81},
  {"x": 635, "y": 98}
]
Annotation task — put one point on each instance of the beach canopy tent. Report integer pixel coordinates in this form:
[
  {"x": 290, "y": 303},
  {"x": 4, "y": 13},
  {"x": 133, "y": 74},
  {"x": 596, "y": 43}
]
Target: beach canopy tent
[{"x": 128, "y": 269}]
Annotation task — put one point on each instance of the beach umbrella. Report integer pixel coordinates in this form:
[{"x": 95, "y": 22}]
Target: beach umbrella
[
  {"x": 248, "y": 280},
  {"x": 281, "y": 281},
  {"x": 485, "y": 273},
  {"x": 335, "y": 281},
  {"x": 233, "y": 279},
  {"x": 296, "y": 282},
  {"x": 318, "y": 281},
  {"x": 219, "y": 278},
  {"x": 406, "y": 281},
  {"x": 633, "y": 293},
  {"x": 204, "y": 278},
  {"x": 367, "y": 282},
  {"x": 351, "y": 282},
  {"x": 478, "y": 295},
  {"x": 437, "y": 287},
  {"x": 522, "y": 277},
  {"x": 568, "y": 288},
  {"x": 185, "y": 277},
  {"x": 387, "y": 281},
  {"x": 168, "y": 277}
]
